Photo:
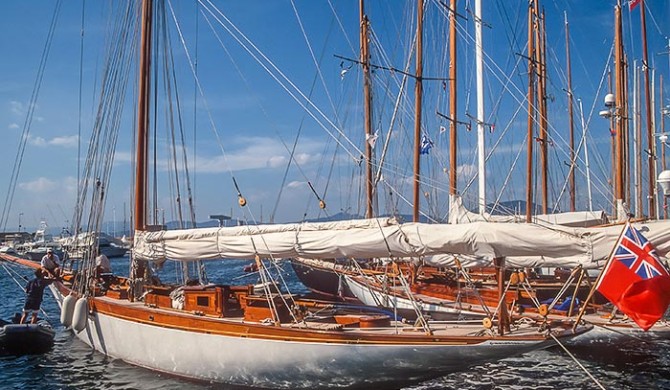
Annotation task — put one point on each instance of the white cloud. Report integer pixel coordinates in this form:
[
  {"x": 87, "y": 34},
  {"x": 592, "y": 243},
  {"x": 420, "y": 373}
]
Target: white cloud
[
  {"x": 39, "y": 185},
  {"x": 296, "y": 184},
  {"x": 466, "y": 170},
  {"x": 252, "y": 153},
  {"x": 17, "y": 108},
  {"x": 304, "y": 158},
  {"x": 21, "y": 109},
  {"x": 37, "y": 141},
  {"x": 125, "y": 157},
  {"x": 13, "y": 126},
  {"x": 258, "y": 152},
  {"x": 277, "y": 161},
  {"x": 68, "y": 141}
]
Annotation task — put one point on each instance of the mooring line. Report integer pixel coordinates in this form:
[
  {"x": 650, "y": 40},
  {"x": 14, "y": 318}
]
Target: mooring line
[{"x": 577, "y": 361}]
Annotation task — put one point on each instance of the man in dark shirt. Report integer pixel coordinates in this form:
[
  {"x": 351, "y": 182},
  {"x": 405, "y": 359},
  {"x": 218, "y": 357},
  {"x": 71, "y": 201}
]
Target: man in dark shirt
[{"x": 34, "y": 292}]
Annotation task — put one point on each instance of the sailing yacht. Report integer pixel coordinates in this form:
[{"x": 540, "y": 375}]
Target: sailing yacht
[{"x": 270, "y": 338}]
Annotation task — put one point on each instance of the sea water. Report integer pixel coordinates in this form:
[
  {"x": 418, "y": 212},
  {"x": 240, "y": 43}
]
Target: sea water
[{"x": 627, "y": 363}]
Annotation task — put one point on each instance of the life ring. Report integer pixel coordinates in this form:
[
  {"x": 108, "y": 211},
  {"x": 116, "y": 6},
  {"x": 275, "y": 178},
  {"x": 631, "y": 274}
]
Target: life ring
[
  {"x": 543, "y": 310},
  {"x": 522, "y": 277}
]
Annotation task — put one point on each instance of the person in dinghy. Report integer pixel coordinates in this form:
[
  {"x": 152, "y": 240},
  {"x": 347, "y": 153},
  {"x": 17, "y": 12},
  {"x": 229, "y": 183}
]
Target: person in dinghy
[{"x": 34, "y": 294}]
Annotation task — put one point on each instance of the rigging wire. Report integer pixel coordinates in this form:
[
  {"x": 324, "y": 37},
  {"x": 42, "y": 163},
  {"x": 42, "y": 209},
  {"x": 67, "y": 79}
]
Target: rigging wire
[
  {"x": 32, "y": 105},
  {"x": 102, "y": 145},
  {"x": 294, "y": 91},
  {"x": 75, "y": 228}
]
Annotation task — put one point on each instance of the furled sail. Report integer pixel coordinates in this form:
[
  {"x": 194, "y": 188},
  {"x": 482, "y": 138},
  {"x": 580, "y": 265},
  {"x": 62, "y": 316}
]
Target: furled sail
[
  {"x": 523, "y": 245},
  {"x": 458, "y": 213}
]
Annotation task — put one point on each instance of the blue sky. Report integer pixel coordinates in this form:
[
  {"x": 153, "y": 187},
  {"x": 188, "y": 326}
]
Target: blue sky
[{"x": 255, "y": 116}]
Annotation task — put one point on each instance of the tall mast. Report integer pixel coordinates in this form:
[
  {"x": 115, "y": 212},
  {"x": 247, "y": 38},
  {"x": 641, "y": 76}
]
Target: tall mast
[
  {"x": 531, "y": 111},
  {"x": 619, "y": 100},
  {"x": 660, "y": 98},
  {"x": 637, "y": 141},
  {"x": 650, "y": 131},
  {"x": 625, "y": 129},
  {"x": 481, "y": 145},
  {"x": 143, "y": 117},
  {"x": 418, "y": 91},
  {"x": 586, "y": 158},
  {"x": 542, "y": 102},
  {"x": 365, "y": 60},
  {"x": 452, "y": 100},
  {"x": 571, "y": 174}
]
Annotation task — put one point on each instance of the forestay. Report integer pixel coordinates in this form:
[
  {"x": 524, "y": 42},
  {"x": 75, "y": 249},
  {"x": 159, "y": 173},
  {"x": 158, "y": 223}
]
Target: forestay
[{"x": 522, "y": 245}]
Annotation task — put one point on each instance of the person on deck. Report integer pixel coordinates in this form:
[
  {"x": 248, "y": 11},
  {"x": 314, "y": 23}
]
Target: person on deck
[
  {"x": 50, "y": 264},
  {"x": 103, "y": 271},
  {"x": 102, "y": 265},
  {"x": 34, "y": 293}
]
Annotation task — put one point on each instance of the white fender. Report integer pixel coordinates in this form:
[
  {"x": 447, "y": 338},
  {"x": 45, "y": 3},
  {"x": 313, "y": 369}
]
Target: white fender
[
  {"x": 67, "y": 309},
  {"x": 80, "y": 315}
]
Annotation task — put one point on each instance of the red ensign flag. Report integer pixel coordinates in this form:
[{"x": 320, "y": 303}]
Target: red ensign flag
[{"x": 635, "y": 280}]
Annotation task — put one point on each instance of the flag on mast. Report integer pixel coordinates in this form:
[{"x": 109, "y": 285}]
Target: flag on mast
[
  {"x": 633, "y": 3},
  {"x": 426, "y": 144},
  {"x": 635, "y": 279}
]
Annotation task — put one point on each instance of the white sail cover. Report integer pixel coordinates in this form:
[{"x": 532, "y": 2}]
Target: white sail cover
[
  {"x": 459, "y": 214},
  {"x": 522, "y": 245}
]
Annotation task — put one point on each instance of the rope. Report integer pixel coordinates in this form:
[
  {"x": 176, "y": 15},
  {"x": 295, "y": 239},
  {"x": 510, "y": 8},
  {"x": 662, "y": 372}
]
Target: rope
[
  {"x": 19, "y": 284},
  {"x": 277, "y": 75},
  {"x": 577, "y": 361},
  {"x": 32, "y": 105}
]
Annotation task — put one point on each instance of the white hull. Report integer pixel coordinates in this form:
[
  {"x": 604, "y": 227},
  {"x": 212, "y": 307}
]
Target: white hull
[
  {"x": 261, "y": 362},
  {"x": 427, "y": 305}
]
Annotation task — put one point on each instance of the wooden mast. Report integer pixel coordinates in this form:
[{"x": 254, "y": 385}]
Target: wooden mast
[
  {"x": 542, "y": 103},
  {"x": 619, "y": 98},
  {"x": 571, "y": 174},
  {"x": 418, "y": 91},
  {"x": 365, "y": 61},
  {"x": 650, "y": 130},
  {"x": 453, "y": 162},
  {"x": 143, "y": 117},
  {"x": 531, "y": 110}
]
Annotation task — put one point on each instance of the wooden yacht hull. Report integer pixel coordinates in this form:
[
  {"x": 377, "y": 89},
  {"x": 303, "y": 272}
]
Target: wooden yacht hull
[{"x": 267, "y": 356}]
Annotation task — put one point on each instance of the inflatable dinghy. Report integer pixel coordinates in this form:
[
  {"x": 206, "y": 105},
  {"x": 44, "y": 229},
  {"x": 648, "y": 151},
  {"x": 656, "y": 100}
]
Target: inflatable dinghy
[{"x": 22, "y": 339}]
